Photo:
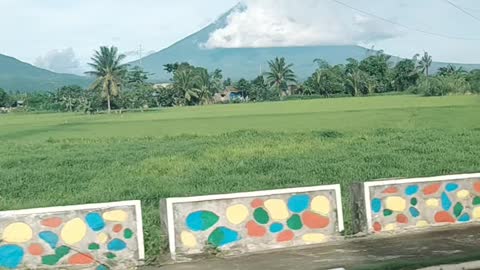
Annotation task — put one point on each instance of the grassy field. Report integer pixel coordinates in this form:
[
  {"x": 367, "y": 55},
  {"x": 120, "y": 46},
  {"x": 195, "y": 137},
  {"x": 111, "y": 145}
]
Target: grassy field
[{"x": 58, "y": 159}]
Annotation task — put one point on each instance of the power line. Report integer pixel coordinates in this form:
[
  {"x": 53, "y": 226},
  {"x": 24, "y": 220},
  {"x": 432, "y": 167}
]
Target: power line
[
  {"x": 462, "y": 10},
  {"x": 402, "y": 25}
]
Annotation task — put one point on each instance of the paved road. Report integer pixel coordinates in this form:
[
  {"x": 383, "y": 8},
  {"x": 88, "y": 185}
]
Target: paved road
[{"x": 413, "y": 247}]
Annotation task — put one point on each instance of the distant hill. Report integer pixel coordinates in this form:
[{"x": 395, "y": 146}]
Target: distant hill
[
  {"x": 249, "y": 62},
  {"x": 19, "y": 76}
]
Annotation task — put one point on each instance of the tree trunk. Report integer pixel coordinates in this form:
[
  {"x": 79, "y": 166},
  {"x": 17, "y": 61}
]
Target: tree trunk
[{"x": 108, "y": 103}]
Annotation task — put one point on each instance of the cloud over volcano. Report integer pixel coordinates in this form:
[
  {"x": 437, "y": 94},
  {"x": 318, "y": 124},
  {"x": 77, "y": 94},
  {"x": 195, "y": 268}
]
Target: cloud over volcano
[{"x": 282, "y": 23}]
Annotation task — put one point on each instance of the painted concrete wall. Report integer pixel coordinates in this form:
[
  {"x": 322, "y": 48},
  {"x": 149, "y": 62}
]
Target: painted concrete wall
[
  {"x": 397, "y": 205},
  {"x": 255, "y": 221},
  {"x": 96, "y": 236}
]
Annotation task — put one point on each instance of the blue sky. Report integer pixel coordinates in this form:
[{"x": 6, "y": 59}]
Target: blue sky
[{"x": 61, "y": 35}]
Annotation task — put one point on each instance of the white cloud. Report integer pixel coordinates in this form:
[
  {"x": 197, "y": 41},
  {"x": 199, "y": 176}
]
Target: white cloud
[
  {"x": 62, "y": 61},
  {"x": 281, "y": 23}
]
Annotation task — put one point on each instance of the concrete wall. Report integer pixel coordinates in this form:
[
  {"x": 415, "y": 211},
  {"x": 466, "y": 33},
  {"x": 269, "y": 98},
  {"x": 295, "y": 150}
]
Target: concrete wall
[
  {"x": 96, "y": 236},
  {"x": 255, "y": 221},
  {"x": 398, "y": 205}
]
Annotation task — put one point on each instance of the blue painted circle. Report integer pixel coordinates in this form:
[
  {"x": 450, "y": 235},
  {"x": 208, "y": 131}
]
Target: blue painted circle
[
  {"x": 464, "y": 218},
  {"x": 376, "y": 205},
  {"x": 11, "y": 256},
  {"x": 229, "y": 236},
  {"x": 116, "y": 245},
  {"x": 411, "y": 190},
  {"x": 276, "y": 227},
  {"x": 446, "y": 202},
  {"x": 298, "y": 203},
  {"x": 414, "y": 212},
  {"x": 451, "y": 187},
  {"x": 95, "y": 222},
  {"x": 50, "y": 238}
]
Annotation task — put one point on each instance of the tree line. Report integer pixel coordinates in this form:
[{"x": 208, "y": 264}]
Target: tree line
[{"x": 121, "y": 87}]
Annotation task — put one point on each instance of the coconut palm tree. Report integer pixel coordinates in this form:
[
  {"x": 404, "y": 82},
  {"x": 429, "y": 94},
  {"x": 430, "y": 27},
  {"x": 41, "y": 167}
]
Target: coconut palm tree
[
  {"x": 280, "y": 74},
  {"x": 356, "y": 81},
  {"x": 184, "y": 82},
  {"x": 425, "y": 63},
  {"x": 108, "y": 69},
  {"x": 451, "y": 70}
]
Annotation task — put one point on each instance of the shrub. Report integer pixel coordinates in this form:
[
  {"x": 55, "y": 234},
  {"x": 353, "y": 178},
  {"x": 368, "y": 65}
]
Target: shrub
[{"x": 442, "y": 86}]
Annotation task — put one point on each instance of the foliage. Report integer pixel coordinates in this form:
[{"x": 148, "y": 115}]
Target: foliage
[
  {"x": 378, "y": 68},
  {"x": 443, "y": 85},
  {"x": 356, "y": 82},
  {"x": 4, "y": 98},
  {"x": 109, "y": 72},
  {"x": 136, "y": 76},
  {"x": 425, "y": 63},
  {"x": 280, "y": 75},
  {"x": 450, "y": 70},
  {"x": 185, "y": 83},
  {"x": 71, "y": 98},
  {"x": 474, "y": 79},
  {"x": 405, "y": 74},
  {"x": 172, "y": 68},
  {"x": 191, "y": 85},
  {"x": 327, "y": 80}
]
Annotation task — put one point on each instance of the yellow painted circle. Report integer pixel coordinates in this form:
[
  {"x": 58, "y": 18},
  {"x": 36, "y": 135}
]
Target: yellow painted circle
[
  {"x": 395, "y": 203},
  {"x": 73, "y": 231},
  {"x": 17, "y": 233},
  {"x": 102, "y": 238},
  {"x": 321, "y": 205},
  {"x": 433, "y": 203},
  {"x": 115, "y": 216},
  {"x": 313, "y": 238},
  {"x": 236, "y": 214},
  {"x": 476, "y": 213},
  {"x": 422, "y": 223},
  {"x": 463, "y": 194},
  {"x": 188, "y": 239},
  {"x": 277, "y": 209},
  {"x": 390, "y": 227}
]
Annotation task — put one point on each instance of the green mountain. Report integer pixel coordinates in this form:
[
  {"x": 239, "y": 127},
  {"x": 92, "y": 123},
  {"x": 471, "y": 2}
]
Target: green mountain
[
  {"x": 19, "y": 76},
  {"x": 250, "y": 62}
]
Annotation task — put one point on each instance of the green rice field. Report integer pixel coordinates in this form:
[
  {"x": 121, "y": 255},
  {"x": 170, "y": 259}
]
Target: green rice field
[{"x": 63, "y": 159}]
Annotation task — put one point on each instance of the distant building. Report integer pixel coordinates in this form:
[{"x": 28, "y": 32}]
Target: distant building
[
  {"x": 161, "y": 85},
  {"x": 230, "y": 94},
  {"x": 19, "y": 104}
]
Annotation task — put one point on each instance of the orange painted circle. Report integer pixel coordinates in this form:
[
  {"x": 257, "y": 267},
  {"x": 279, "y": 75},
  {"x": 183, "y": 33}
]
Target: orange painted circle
[
  {"x": 257, "y": 203},
  {"x": 402, "y": 219},
  {"x": 255, "y": 230},
  {"x": 285, "y": 236},
  {"x": 476, "y": 187},
  {"x": 377, "y": 227},
  {"x": 35, "y": 249},
  {"x": 81, "y": 259},
  {"x": 117, "y": 228}
]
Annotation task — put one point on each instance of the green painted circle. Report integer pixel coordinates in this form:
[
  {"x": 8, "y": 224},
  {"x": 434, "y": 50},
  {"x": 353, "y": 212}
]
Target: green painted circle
[
  {"x": 261, "y": 216},
  {"x": 295, "y": 223}
]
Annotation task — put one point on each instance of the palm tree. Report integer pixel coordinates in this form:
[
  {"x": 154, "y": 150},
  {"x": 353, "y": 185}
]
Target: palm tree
[
  {"x": 451, "y": 70},
  {"x": 280, "y": 74},
  {"x": 356, "y": 81},
  {"x": 109, "y": 71},
  {"x": 204, "y": 81},
  {"x": 425, "y": 63},
  {"x": 184, "y": 82}
]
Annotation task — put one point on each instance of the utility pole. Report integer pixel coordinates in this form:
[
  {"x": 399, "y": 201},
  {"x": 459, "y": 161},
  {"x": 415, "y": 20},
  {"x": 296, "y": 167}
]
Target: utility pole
[{"x": 140, "y": 51}]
